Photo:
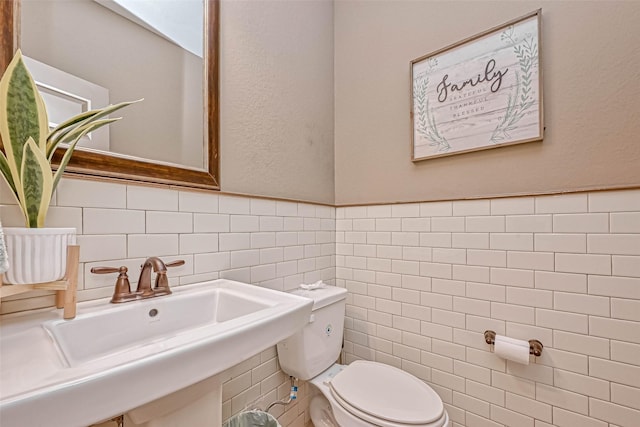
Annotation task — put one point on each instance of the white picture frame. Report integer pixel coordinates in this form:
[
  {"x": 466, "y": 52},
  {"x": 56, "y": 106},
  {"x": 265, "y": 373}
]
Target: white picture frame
[{"x": 482, "y": 92}]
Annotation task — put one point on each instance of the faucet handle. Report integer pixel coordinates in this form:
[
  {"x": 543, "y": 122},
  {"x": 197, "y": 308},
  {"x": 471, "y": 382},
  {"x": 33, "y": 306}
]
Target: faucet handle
[
  {"x": 106, "y": 270},
  {"x": 122, "y": 291},
  {"x": 175, "y": 263},
  {"x": 162, "y": 282}
]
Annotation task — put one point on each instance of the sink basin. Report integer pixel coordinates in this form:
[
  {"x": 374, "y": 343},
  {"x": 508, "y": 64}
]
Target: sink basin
[
  {"x": 112, "y": 359},
  {"x": 141, "y": 323}
]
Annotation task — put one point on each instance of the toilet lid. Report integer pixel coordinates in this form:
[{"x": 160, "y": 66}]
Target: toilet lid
[{"x": 387, "y": 393}]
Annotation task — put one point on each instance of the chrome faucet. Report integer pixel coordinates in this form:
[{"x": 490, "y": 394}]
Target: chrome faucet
[{"x": 123, "y": 292}]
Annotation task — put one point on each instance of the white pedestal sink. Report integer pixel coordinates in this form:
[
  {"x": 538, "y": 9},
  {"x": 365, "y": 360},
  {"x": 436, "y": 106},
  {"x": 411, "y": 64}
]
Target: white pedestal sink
[
  {"x": 114, "y": 359},
  {"x": 196, "y": 405}
]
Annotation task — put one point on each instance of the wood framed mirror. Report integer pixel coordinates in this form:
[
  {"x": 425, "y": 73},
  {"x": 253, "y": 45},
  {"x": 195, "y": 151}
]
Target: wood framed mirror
[{"x": 102, "y": 164}]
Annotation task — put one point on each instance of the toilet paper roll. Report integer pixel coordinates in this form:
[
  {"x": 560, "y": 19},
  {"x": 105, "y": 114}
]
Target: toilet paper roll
[{"x": 512, "y": 349}]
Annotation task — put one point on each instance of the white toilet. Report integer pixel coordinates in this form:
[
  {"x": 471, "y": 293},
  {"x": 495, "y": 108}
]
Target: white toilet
[{"x": 362, "y": 394}]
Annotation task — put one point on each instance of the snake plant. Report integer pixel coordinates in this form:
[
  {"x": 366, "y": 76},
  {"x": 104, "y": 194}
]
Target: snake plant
[{"x": 29, "y": 144}]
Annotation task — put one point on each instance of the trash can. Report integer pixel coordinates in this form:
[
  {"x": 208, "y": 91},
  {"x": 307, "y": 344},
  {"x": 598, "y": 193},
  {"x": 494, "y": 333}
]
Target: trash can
[{"x": 253, "y": 419}]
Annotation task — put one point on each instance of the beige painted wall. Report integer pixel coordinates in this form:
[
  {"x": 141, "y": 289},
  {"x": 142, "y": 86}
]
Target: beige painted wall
[
  {"x": 276, "y": 79},
  {"x": 591, "y": 98}
]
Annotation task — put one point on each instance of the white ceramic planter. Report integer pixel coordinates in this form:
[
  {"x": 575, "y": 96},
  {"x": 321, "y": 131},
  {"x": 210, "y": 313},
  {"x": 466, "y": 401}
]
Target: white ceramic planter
[{"x": 37, "y": 255}]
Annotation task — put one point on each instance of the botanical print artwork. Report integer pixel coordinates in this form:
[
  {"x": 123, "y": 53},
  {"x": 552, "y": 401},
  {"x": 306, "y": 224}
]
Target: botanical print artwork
[
  {"x": 521, "y": 96},
  {"x": 478, "y": 94}
]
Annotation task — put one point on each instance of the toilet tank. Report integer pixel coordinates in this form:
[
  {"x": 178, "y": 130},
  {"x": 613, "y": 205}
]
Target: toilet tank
[{"x": 317, "y": 346}]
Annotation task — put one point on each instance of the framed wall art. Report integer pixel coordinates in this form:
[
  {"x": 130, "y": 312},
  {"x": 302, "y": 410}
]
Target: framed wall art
[{"x": 480, "y": 93}]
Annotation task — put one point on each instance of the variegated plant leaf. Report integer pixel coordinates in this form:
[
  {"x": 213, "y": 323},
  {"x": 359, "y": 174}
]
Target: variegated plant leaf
[
  {"x": 22, "y": 114},
  {"x": 37, "y": 184},
  {"x": 68, "y": 130},
  {"x": 6, "y": 173},
  {"x": 89, "y": 127}
]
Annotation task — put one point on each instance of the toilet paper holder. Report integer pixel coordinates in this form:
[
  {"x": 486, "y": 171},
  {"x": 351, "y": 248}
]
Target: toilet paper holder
[{"x": 535, "y": 346}]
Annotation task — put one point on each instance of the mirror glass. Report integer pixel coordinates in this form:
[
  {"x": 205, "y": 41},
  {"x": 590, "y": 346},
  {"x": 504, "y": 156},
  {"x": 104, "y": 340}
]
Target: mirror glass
[
  {"x": 94, "y": 162},
  {"x": 86, "y": 54}
]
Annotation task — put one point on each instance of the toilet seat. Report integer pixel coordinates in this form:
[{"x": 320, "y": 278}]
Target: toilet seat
[
  {"x": 386, "y": 396},
  {"x": 373, "y": 421}
]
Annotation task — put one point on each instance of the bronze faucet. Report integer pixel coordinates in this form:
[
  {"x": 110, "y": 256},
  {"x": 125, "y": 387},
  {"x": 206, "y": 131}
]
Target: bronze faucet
[
  {"x": 144, "y": 282},
  {"x": 122, "y": 292}
]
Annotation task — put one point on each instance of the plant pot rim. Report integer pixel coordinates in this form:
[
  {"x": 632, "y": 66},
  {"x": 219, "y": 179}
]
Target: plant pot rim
[{"x": 40, "y": 230}]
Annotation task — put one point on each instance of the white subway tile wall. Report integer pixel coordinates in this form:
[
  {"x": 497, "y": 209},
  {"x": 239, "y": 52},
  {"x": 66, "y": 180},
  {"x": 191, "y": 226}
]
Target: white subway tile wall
[
  {"x": 564, "y": 269},
  {"x": 424, "y": 279},
  {"x": 278, "y": 245}
]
